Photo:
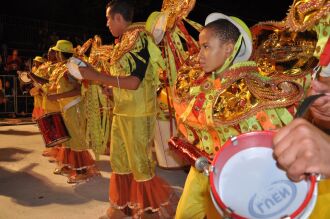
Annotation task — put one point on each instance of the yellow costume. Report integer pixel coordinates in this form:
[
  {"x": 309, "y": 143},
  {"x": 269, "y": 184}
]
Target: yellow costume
[
  {"x": 50, "y": 106},
  {"x": 133, "y": 183},
  {"x": 72, "y": 110},
  {"x": 41, "y": 71},
  {"x": 74, "y": 153}
]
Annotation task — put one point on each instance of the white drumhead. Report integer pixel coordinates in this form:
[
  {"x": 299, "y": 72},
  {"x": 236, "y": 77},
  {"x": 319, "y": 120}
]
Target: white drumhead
[
  {"x": 74, "y": 70},
  {"x": 23, "y": 75},
  {"x": 253, "y": 186},
  {"x": 73, "y": 66}
]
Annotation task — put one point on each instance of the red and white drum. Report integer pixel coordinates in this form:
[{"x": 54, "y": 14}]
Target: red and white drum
[
  {"x": 166, "y": 158},
  {"x": 53, "y": 129},
  {"x": 246, "y": 183}
]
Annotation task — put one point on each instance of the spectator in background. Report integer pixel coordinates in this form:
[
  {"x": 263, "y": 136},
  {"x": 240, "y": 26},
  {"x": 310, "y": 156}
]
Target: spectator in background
[
  {"x": 2, "y": 66},
  {"x": 14, "y": 63},
  {"x": 4, "y": 52}
]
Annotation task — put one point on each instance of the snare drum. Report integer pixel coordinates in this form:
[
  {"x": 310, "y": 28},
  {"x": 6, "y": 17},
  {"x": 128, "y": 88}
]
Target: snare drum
[
  {"x": 166, "y": 158},
  {"x": 53, "y": 129},
  {"x": 246, "y": 183}
]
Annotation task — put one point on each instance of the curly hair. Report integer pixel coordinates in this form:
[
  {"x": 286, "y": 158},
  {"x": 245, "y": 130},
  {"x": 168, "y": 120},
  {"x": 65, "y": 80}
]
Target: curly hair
[{"x": 224, "y": 30}]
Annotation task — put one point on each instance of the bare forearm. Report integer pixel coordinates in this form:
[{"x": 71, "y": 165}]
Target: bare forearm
[
  {"x": 72, "y": 93},
  {"x": 38, "y": 79},
  {"x": 128, "y": 82},
  {"x": 124, "y": 82}
]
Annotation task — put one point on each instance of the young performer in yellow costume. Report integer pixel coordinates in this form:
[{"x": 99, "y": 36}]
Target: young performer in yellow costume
[
  {"x": 71, "y": 104},
  {"x": 224, "y": 95},
  {"x": 37, "y": 69},
  {"x": 135, "y": 63}
]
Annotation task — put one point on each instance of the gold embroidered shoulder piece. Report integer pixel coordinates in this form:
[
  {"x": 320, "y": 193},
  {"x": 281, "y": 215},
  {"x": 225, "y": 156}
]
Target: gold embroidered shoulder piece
[
  {"x": 244, "y": 92},
  {"x": 187, "y": 78},
  {"x": 304, "y": 14},
  {"x": 279, "y": 52},
  {"x": 127, "y": 41}
]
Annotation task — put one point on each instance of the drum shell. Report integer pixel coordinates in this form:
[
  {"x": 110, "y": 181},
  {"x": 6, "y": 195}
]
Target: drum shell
[
  {"x": 52, "y": 128},
  {"x": 166, "y": 158}
]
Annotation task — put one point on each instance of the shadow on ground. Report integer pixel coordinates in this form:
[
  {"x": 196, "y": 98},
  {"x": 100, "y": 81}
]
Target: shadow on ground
[
  {"x": 96, "y": 188},
  {"x": 33, "y": 189},
  {"x": 13, "y": 154},
  {"x": 103, "y": 165},
  {"x": 17, "y": 132}
]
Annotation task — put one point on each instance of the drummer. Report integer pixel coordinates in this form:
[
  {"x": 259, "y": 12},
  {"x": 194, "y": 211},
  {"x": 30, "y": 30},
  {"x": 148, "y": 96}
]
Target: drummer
[
  {"x": 36, "y": 92},
  {"x": 306, "y": 150},
  {"x": 219, "y": 102},
  {"x": 67, "y": 91},
  {"x": 37, "y": 61}
]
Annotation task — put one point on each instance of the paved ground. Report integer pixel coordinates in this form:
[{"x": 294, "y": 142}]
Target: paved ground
[{"x": 29, "y": 189}]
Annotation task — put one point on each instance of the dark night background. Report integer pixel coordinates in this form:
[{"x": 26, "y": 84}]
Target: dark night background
[{"x": 77, "y": 20}]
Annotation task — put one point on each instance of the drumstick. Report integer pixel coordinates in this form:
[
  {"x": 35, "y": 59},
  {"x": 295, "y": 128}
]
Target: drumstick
[
  {"x": 37, "y": 79},
  {"x": 307, "y": 102}
]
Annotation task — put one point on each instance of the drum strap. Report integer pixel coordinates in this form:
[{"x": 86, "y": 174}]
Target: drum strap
[{"x": 71, "y": 104}]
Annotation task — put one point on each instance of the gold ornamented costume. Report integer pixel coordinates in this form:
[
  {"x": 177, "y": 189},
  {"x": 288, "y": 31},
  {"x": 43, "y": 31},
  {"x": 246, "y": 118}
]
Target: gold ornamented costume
[
  {"x": 41, "y": 71},
  {"x": 133, "y": 182},
  {"x": 314, "y": 15},
  {"x": 98, "y": 111},
  {"x": 212, "y": 107},
  {"x": 291, "y": 48}
]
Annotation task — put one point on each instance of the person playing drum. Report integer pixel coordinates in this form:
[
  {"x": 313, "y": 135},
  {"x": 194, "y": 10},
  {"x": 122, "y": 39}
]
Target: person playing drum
[
  {"x": 224, "y": 95},
  {"x": 35, "y": 92},
  {"x": 67, "y": 93},
  {"x": 306, "y": 149},
  {"x": 41, "y": 81}
]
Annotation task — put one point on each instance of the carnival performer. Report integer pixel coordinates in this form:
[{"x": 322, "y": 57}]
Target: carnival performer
[
  {"x": 38, "y": 66},
  {"x": 168, "y": 27},
  {"x": 41, "y": 82},
  {"x": 134, "y": 66},
  {"x": 224, "y": 95},
  {"x": 66, "y": 91}
]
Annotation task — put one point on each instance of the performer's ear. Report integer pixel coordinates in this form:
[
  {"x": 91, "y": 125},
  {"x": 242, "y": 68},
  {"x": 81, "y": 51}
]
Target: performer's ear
[
  {"x": 118, "y": 17},
  {"x": 228, "y": 47}
]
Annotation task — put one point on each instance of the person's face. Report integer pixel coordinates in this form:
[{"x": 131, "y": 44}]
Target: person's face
[
  {"x": 15, "y": 53},
  {"x": 59, "y": 56},
  {"x": 213, "y": 52},
  {"x": 36, "y": 63},
  {"x": 114, "y": 23},
  {"x": 51, "y": 55}
]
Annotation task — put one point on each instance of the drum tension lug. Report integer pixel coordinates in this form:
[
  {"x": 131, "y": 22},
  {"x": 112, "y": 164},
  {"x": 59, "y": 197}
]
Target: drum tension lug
[
  {"x": 318, "y": 176},
  {"x": 208, "y": 170},
  {"x": 228, "y": 213},
  {"x": 234, "y": 140}
]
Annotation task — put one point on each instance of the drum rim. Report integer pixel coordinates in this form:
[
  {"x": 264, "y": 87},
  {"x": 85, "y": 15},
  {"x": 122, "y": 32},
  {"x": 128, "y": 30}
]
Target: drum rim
[
  {"x": 232, "y": 214},
  {"x": 58, "y": 141},
  {"x": 47, "y": 114}
]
